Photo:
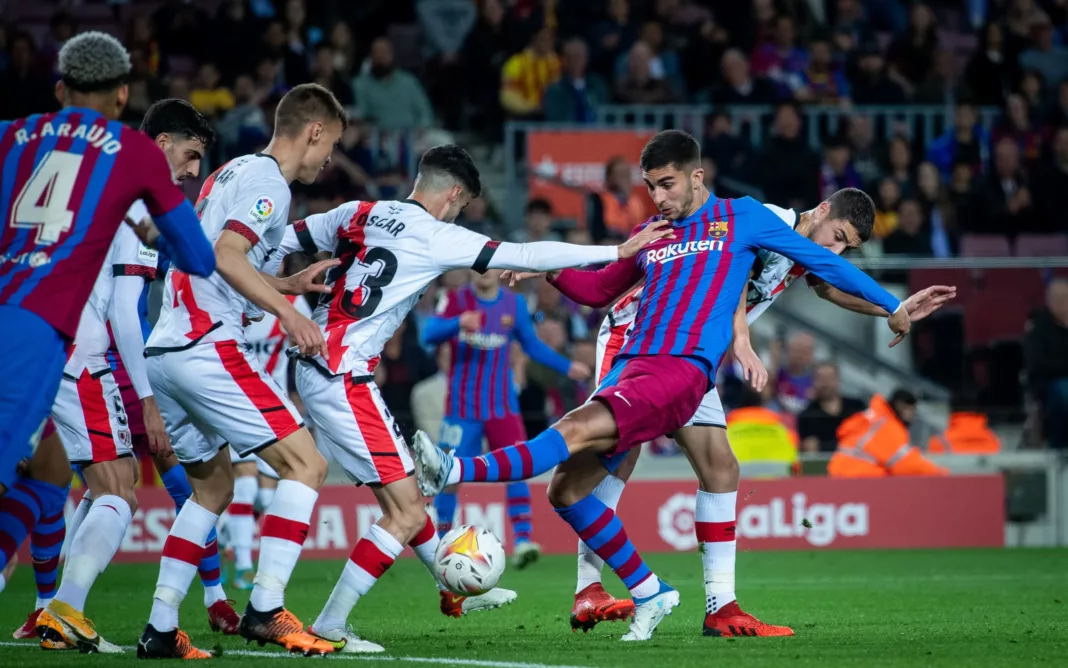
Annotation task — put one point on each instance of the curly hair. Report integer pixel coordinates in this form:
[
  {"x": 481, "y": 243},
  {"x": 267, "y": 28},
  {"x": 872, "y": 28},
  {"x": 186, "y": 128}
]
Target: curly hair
[{"x": 93, "y": 61}]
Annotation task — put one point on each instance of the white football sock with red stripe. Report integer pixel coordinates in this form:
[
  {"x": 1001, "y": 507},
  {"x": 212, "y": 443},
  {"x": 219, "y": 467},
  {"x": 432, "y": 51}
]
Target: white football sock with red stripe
[
  {"x": 590, "y": 565},
  {"x": 93, "y": 547},
  {"x": 285, "y": 526},
  {"x": 370, "y": 558},
  {"x": 178, "y": 566},
  {"x": 425, "y": 544},
  {"x": 242, "y": 524},
  {"x": 715, "y": 534}
]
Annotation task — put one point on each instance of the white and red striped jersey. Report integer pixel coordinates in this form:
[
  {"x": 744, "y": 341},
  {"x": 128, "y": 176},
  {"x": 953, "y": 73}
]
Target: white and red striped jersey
[
  {"x": 390, "y": 252},
  {"x": 248, "y": 196},
  {"x": 775, "y": 273},
  {"x": 126, "y": 256},
  {"x": 266, "y": 339}
]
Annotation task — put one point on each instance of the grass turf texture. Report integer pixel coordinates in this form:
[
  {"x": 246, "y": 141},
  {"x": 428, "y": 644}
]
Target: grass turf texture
[{"x": 874, "y": 608}]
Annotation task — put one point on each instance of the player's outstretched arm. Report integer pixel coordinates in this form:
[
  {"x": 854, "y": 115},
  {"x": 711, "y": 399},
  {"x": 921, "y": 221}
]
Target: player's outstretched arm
[
  {"x": 919, "y": 305},
  {"x": 538, "y": 350},
  {"x": 438, "y": 329},
  {"x": 231, "y": 253}
]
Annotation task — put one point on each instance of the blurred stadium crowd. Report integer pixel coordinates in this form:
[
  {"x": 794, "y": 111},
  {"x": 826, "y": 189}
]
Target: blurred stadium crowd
[{"x": 412, "y": 72}]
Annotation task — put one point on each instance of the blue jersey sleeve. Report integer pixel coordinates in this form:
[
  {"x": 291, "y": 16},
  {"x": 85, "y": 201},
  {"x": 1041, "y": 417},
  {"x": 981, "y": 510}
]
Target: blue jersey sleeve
[
  {"x": 183, "y": 240},
  {"x": 532, "y": 345},
  {"x": 437, "y": 329},
  {"x": 767, "y": 231}
]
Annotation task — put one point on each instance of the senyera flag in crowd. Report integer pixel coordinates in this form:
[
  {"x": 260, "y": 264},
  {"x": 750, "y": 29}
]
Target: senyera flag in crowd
[{"x": 783, "y": 514}]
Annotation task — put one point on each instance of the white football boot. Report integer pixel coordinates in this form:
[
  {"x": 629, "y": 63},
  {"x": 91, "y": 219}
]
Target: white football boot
[
  {"x": 349, "y": 641},
  {"x": 649, "y": 612},
  {"x": 434, "y": 464}
]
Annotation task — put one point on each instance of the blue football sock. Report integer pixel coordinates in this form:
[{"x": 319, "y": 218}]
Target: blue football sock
[
  {"x": 445, "y": 506},
  {"x": 601, "y": 530},
  {"x": 46, "y": 542},
  {"x": 516, "y": 462},
  {"x": 518, "y": 496},
  {"x": 21, "y": 509}
]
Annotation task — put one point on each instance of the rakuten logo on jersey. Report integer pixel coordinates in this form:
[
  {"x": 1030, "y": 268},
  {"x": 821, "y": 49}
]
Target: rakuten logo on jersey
[
  {"x": 675, "y": 251},
  {"x": 772, "y": 520},
  {"x": 484, "y": 341}
]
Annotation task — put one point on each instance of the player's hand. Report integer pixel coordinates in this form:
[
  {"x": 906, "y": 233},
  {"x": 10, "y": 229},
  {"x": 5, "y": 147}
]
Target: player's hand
[
  {"x": 311, "y": 279},
  {"x": 579, "y": 371},
  {"x": 304, "y": 333},
  {"x": 655, "y": 231},
  {"x": 145, "y": 230},
  {"x": 471, "y": 321},
  {"x": 753, "y": 370},
  {"x": 514, "y": 277},
  {"x": 927, "y": 301},
  {"x": 900, "y": 324},
  {"x": 159, "y": 443}
]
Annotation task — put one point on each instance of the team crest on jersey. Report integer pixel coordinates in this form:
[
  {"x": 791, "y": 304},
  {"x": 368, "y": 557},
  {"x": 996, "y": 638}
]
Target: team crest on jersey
[
  {"x": 718, "y": 229},
  {"x": 507, "y": 320},
  {"x": 263, "y": 208}
]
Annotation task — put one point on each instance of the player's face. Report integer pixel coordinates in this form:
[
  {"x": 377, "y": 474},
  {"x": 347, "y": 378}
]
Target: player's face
[
  {"x": 184, "y": 156},
  {"x": 487, "y": 280},
  {"x": 457, "y": 201},
  {"x": 672, "y": 190},
  {"x": 835, "y": 235},
  {"x": 322, "y": 139}
]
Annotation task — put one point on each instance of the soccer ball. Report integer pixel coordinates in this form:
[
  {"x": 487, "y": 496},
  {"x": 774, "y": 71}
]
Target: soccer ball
[{"x": 470, "y": 560}]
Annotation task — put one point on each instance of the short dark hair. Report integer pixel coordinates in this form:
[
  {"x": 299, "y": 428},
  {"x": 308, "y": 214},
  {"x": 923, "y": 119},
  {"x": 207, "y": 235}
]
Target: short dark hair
[
  {"x": 539, "y": 205},
  {"x": 453, "y": 162},
  {"x": 903, "y": 396},
  {"x": 305, "y": 104},
  {"x": 178, "y": 118},
  {"x": 854, "y": 206},
  {"x": 671, "y": 148}
]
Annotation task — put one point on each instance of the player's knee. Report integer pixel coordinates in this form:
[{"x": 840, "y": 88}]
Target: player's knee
[
  {"x": 573, "y": 429},
  {"x": 131, "y": 500},
  {"x": 562, "y": 494},
  {"x": 213, "y": 499}
]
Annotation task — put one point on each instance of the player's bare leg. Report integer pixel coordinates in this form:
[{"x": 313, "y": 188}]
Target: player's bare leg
[
  {"x": 221, "y": 614},
  {"x": 717, "y": 470},
  {"x": 242, "y": 524},
  {"x": 301, "y": 470},
  {"x": 93, "y": 545},
  {"x": 592, "y": 603}
]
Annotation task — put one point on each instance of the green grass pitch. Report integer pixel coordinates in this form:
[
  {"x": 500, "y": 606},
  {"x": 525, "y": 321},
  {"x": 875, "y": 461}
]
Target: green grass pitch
[{"x": 953, "y": 608}]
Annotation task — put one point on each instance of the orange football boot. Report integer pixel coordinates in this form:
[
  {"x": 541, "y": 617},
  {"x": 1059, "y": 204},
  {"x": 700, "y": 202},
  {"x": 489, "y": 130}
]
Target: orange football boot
[
  {"x": 281, "y": 627},
  {"x": 593, "y": 605},
  {"x": 174, "y": 644},
  {"x": 731, "y": 621}
]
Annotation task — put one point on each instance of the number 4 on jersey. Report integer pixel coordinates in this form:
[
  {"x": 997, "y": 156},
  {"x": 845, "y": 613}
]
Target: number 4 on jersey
[{"x": 44, "y": 199}]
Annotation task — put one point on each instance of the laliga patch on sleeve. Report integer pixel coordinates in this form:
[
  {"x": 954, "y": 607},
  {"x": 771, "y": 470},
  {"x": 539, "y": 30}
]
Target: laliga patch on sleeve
[
  {"x": 262, "y": 208},
  {"x": 146, "y": 254}
]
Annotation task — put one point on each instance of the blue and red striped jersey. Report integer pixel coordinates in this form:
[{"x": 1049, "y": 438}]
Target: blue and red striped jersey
[
  {"x": 68, "y": 179},
  {"x": 694, "y": 282},
  {"x": 481, "y": 386}
]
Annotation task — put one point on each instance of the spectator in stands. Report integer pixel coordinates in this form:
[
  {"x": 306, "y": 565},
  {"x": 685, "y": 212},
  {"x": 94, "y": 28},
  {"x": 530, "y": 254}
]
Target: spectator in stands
[
  {"x": 527, "y": 74},
  {"x": 872, "y": 84},
  {"x": 484, "y": 55},
  {"x": 817, "y": 425},
  {"x": 1019, "y": 20},
  {"x": 967, "y": 432},
  {"x": 179, "y": 28},
  {"x": 290, "y": 57},
  {"x": 445, "y": 24},
  {"x": 706, "y": 46},
  {"x": 875, "y": 443},
  {"x": 734, "y": 156},
  {"x": 850, "y": 22},
  {"x": 28, "y": 90},
  {"x": 837, "y": 170},
  {"x": 326, "y": 75},
  {"x": 268, "y": 81},
  {"x": 781, "y": 60},
  {"x": 887, "y": 200},
  {"x": 61, "y": 27},
  {"x": 789, "y": 387},
  {"x": 344, "y": 49},
  {"x": 638, "y": 85},
  {"x": 663, "y": 62},
  {"x": 821, "y": 82},
  {"x": 616, "y": 209},
  {"x": 909, "y": 238},
  {"x": 1017, "y": 125},
  {"x": 794, "y": 179},
  {"x": 575, "y": 97},
  {"x": 144, "y": 87},
  {"x": 938, "y": 211},
  {"x": 1059, "y": 113},
  {"x": 537, "y": 223},
  {"x": 245, "y": 126},
  {"x": 963, "y": 196},
  {"x": 911, "y": 54},
  {"x": 739, "y": 86},
  {"x": 1045, "y": 57},
  {"x": 938, "y": 86},
  {"x": 899, "y": 164},
  {"x": 1046, "y": 361},
  {"x": 866, "y": 154},
  {"x": 550, "y": 304},
  {"x": 209, "y": 96},
  {"x": 389, "y": 97},
  {"x": 233, "y": 29},
  {"x": 1006, "y": 198},
  {"x": 612, "y": 37},
  {"x": 966, "y": 141},
  {"x": 990, "y": 75},
  {"x": 1052, "y": 184},
  {"x": 476, "y": 217}
]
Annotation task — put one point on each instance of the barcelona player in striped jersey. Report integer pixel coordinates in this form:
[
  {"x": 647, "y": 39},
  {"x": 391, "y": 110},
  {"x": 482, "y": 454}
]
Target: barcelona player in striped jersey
[
  {"x": 684, "y": 323},
  {"x": 479, "y": 321}
]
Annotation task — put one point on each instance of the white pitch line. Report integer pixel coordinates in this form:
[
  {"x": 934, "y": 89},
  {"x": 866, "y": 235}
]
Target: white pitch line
[{"x": 354, "y": 657}]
